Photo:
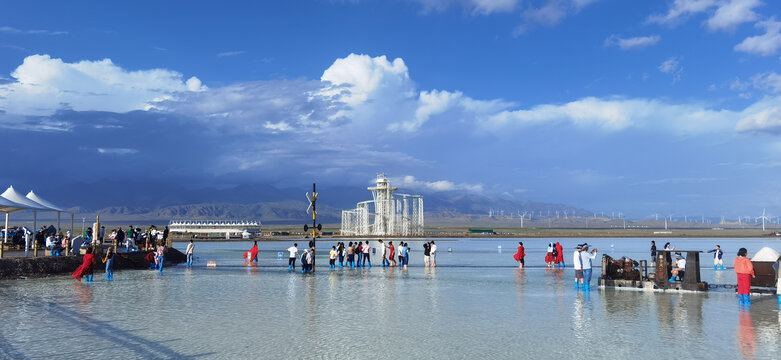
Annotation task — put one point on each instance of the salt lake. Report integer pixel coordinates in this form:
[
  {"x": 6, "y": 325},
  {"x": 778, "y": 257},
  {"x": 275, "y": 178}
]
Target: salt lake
[{"x": 475, "y": 304}]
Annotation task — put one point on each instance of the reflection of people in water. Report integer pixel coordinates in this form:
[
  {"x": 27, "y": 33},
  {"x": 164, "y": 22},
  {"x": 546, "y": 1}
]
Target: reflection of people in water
[{"x": 747, "y": 338}]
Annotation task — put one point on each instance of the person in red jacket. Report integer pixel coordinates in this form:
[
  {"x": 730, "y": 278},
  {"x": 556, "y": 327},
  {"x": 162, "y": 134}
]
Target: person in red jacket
[
  {"x": 85, "y": 269},
  {"x": 559, "y": 255},
  {"x": 744, "y": 268},
  {"x": 391, "y": 253},
  {"x": 252, "y": 254},
  {"x": 520, "y": 255}
]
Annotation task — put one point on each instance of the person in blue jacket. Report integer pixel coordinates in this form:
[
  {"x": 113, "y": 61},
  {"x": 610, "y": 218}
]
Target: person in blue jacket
[{"x": 717, "y": 261}]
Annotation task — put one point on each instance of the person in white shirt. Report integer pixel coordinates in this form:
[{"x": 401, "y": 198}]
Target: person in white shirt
[
  {"x": 587, "y": 257},
  {"x": 384, "y": 253},
  {"x": 577, "y": 262},
  {"x": 433, "y": 254},
  {"x": 678, "y": 270},
  {"x": 291, "y": 262},
  {"x": 332, "y": 257},
  {"x": 188, "y": 252}
]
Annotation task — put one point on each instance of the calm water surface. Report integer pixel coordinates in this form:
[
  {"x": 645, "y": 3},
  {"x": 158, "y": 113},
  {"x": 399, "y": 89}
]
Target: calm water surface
[{"x": 476, "y": 304}]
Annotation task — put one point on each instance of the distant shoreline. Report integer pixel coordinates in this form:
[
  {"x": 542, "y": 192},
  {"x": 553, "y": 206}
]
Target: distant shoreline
[{"x": 529, "y": 233}]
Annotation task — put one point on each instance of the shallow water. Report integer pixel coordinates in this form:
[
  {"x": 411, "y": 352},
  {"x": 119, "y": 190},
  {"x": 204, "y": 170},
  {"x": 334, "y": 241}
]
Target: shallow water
[{"x": 474, "y": 304}]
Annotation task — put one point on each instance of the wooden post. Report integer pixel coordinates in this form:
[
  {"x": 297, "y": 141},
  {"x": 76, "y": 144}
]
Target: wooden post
[
  {"x": 661, "y": 269},
  {"x": 691, "y": 276}
]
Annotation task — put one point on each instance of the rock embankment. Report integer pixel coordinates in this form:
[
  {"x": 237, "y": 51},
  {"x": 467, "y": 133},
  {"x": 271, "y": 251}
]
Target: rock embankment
[{"x": 21, "y": 268}]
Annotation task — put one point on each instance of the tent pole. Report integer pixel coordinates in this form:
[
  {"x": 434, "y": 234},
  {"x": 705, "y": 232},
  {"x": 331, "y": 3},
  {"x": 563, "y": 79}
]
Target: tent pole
[
  {"x": 58, "y": 222},
  {"x": 68, "y": 244},
  {"x": 5, "y": 236},
  {"x": 35, "y": 225}
]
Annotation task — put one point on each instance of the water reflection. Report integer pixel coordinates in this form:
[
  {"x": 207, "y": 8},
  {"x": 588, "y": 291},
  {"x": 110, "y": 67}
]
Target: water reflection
[
  {"x": 747, "y": 338},
  {"x": 582, "y": 323},
  {"x": 520, "y": 280}
]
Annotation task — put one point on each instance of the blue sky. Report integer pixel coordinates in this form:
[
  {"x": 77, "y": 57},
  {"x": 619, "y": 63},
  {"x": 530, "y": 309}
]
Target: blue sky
[{"x": 642, "y": 107}]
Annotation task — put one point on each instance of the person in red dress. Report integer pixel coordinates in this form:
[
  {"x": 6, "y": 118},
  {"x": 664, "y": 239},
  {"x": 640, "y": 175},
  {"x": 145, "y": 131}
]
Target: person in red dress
[
  {"x": 85, "y": 269},
  {"x": 559, "y": 255},
  {"x": 549, "y": 257},
  {"x": 520, "y": 255},
  {"x": 391, "y": 253},
  {"x": 252, "y": 254}
]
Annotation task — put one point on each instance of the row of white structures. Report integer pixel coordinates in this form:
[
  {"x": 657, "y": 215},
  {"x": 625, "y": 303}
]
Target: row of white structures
[
  {"x": 245, "y": 228},
  {"x": 12, "y": 201},
  {"x": 388, "y": 214}
]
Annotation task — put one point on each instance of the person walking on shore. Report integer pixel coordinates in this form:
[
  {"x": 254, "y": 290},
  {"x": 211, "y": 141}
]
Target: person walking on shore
[
  {"x": 384, "y": 253},
  {"x": 577, "y": 263},
  {"x": 359, "y": 253},
  {"x": 165, "y": 236},
  {"x": 85, "y": 269},
  {"x": 189, "y": 253},
  {"x": 653, "y": 253},
  {"x": 391, "y": 254},
  {"x": 587, "y": 259},
  {"x": 426, "y": 254},
  {"x": 406, "y": 254},
  {"x": 520, "y": 255},
  {"x": 743, "y": 269},
  {"x": 717, "y": 260},
  {"x": 351, "y": 255},
  {"x": 291, "y": 261},
  {"x": 400, "y": 253},
  {"x": 549, "y": 257},
  {"x": 342, "y": 253},
  {"x": 160, "y": 257},
  {"x": 367, "y": 254},
  {"x": 433, "y": 254},
  {"x": 251, "y": 255},
  {"x": 559, "y": 255},
  {"x": 109, "y": 261}
]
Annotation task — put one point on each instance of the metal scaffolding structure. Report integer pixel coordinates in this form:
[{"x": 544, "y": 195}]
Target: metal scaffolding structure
[
  {"x": 394, "y": 214},
  {"x": 214, "y": 226}
]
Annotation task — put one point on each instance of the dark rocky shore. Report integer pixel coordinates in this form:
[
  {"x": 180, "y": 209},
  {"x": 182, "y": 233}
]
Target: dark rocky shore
[{"x": 22, "y": 268}]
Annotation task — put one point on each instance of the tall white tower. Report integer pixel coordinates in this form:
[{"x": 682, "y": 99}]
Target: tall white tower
[{"x": 384, "y": 206}]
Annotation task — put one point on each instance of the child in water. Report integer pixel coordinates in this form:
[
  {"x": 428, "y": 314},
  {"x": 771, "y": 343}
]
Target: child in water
[{"x": 109, "y": 261}]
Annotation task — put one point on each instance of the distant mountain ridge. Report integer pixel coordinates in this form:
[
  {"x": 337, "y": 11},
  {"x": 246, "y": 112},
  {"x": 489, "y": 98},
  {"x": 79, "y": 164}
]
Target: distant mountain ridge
[{"x": 144, "y": 201}]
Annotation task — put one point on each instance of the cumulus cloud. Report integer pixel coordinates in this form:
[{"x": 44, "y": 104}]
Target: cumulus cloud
[
  {"x": 766, "y": 44},
  {"x": 724, "y": 14},
  {"x": 410, "y": 181},
  {"x": 638, "y": 42},
  {"x": 768, "y": 81},
  {"x": 733, "y": 13},
  {"x": 42, "y": 85}
]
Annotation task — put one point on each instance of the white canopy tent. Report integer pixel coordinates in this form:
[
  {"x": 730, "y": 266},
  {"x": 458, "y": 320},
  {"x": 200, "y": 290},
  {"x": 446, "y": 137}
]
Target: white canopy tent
[
  {"x": 15, "y": 196},
  {"x": 34, "y": 197},
  {"x": 7, "y": 207}
]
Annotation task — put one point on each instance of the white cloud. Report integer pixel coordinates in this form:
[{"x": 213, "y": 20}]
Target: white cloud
[
  {"x": 766, "y": 44},
  {"x": 12, "y": 30},
  {"x": 724, "y": 14},
  {"x": 762, "y": 117},
  {"x": 682, "y": 8},
  {"x": 670, "y": 66},
  {"x": 230, "y": 53},
  {"x": 770, "y": 81},
  {"x": 476, "y": 7},
  {"x": 42, "y": 85},
  {"x": 117, "y": 151},
  {"x": 638, "y": 42},
  {"x": 439, "y": 185},
  {"x": 618, "y": 114},
  {"x": 733, "y": 13},
  {"x": 549, "y": 13},
  {"x": 356, "y": 77}
]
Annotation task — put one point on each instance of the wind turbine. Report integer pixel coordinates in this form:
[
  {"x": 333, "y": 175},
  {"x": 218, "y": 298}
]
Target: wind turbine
[{"x": 763, "y": 217}]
